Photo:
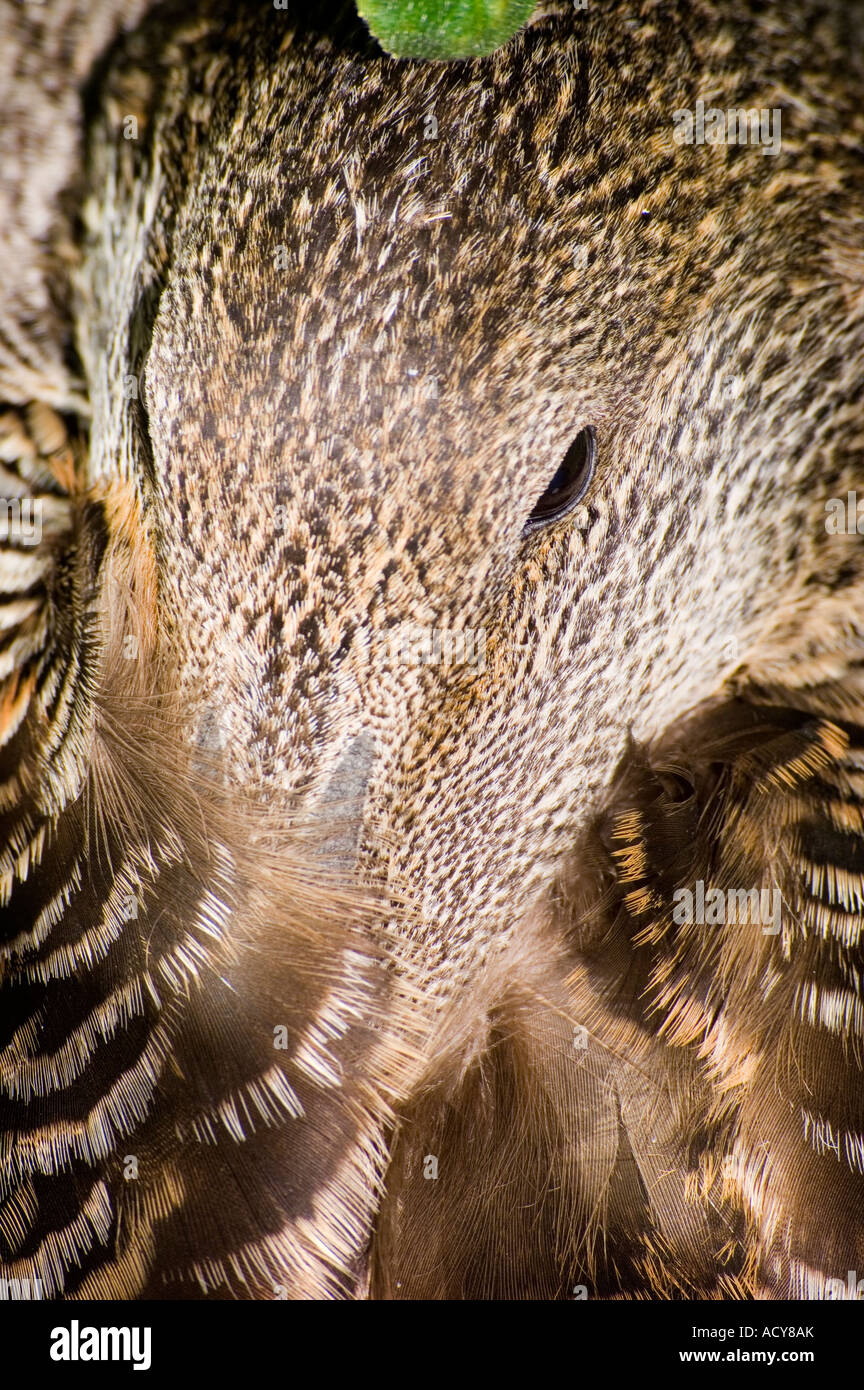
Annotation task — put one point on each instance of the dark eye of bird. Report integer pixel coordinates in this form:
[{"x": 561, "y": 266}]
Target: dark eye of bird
[{"x": 570, "y": 483}]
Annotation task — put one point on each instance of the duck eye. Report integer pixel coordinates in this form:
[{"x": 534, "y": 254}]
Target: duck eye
[{"x": 570, "y": 483}]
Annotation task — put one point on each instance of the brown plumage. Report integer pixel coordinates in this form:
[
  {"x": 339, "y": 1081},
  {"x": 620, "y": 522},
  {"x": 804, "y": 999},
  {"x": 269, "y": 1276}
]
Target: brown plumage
[
  {"x": 699, "y": 1138},
  {"x": 331, "y": 972}
]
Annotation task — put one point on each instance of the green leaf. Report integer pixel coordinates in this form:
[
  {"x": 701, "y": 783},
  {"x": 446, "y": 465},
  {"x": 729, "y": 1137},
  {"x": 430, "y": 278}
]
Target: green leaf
[{"x": 444, "y": 28}]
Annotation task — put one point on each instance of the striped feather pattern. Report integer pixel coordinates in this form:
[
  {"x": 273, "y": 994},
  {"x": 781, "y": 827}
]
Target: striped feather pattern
[
  {"x": 658, "y": 1107},
  {"x": 760, "y": 796},
  {"x": 184, "y": 1010},
  {"x": 330, "y": 361}
]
